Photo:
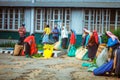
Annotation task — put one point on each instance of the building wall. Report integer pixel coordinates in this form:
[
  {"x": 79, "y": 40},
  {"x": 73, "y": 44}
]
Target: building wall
[
  {"x": 78, "y": 0},
  {"x": 64, "y": 0},
  {"x": 95, "y": 19},
  {"x": 27, "y": 19},
  {"x": 16, "y": 0},
  {"x": 77, "y": 20}
]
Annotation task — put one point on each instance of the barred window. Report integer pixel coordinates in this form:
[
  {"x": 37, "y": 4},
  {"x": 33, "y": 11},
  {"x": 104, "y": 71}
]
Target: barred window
[
  {"x": 52, "y": 16},
  {"x": 11, "y": 18},
  {"x": 97, "y": 19}
]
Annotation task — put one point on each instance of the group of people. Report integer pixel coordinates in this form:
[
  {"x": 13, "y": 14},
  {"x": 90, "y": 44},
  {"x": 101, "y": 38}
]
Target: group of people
[
  {"x": 29, "y": 43},
  {"x": 56, "y": 36},
  {"x": 91, "y": 41}
]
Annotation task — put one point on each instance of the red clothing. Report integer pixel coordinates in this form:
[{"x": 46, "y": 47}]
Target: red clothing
[
  {"x": 72, "y": 39},
  {"x": 93, "y": 39},
  {"x": 96, "y": 36},
  {"x": 31, "y": 41},
  {"x": 22, "y": 31}
]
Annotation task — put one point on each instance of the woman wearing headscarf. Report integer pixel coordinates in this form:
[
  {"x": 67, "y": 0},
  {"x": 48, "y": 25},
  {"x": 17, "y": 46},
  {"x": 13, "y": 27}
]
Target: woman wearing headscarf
[
  {"x": 113, "y": 64},
  {"x": 85, "y": 37},
  {"x": 93, "y": 45},
  {"x": 114, "y": 43},
  {"x": 64, "y": 37}
]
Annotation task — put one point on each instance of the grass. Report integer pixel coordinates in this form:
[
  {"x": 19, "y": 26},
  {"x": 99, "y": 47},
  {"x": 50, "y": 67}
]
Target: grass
[{"x": 7, "y": 44}]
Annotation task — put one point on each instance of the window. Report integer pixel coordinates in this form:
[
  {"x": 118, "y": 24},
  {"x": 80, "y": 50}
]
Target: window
[
  {"x": 40, "y": 19},
  {"x": 118, "y": 19},
  {"x": 0, "y": 18},
  {"x": 97, "y": 19},
  {"x": 52, "y": 16},
  {"x": 11, "y": 18}
]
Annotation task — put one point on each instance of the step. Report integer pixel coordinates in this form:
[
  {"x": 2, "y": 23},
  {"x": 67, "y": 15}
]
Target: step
[
  {"x": 6, "y": 51},
  {"x": 55, "y": 53}
]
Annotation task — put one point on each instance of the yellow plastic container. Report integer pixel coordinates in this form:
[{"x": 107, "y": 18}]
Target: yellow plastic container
[{"x": 48, "y": 50}]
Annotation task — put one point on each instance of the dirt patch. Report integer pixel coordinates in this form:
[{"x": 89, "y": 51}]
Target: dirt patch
[
  {"x": 83, "y": 75},
  {"x": 64, "y": 66},
  {"x": 36, "y": 74},
  {"x": 17, "y": 64},
  {"x": 61, "y": 68}
]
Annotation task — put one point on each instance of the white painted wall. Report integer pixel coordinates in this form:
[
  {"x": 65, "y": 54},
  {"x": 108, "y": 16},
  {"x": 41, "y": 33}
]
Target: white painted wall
[
  {"x": 27, "y": 19},
  {"x": 32, "y": 29},
  {"x": 77, "y": 20}
]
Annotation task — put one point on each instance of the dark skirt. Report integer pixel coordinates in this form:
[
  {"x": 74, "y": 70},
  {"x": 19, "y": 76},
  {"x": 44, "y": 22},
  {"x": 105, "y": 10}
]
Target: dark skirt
[
  {"x": 64, "y": 43},
  {"x": 92, "y": 51},
  {"x": 27, "y": 48}
]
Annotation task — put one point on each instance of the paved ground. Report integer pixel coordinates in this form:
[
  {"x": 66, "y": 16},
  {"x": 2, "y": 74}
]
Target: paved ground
[{"x": 62, "y": 68}]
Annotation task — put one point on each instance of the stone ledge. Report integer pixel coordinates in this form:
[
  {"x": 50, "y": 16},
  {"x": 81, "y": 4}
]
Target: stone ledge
[{"x": 55, "y": 53}]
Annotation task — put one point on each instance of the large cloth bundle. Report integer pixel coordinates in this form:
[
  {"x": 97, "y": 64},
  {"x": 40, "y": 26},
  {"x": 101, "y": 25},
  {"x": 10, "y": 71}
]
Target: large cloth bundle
[
  {"x": 48, "y": 50},
  {"x": 17, "y": 50},
  {"x": 100, "y": 48},
  {"x": 80, "y": 52},
  {"x": 104, "y": 68},
  {"x": 71, "y": 52},
  {"x": 57, "y": 45},
  {"x": 102, "y": 58}
]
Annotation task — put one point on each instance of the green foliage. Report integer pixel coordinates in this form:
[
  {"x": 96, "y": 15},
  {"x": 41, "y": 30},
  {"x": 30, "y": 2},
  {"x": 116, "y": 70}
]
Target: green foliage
[
  {"x": 7, "y": 44},
  {"x": 9, "y": 37},
  {"x": 40, "y": 47},
  {"x": 104, "y": 38},
  {"x": 37, "y": 55},
  {"x": 117, "y": 33}
]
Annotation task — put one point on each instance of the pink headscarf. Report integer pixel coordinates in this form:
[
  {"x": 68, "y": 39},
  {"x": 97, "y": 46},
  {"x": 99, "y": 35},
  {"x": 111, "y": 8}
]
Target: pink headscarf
[
  {"x": 111, "y": 35},
  {"x": 86, "y": 30}
]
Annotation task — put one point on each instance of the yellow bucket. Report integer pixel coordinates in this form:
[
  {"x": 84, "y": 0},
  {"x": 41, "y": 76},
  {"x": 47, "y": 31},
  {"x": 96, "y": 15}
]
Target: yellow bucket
[{"x": 48, "y": 50}]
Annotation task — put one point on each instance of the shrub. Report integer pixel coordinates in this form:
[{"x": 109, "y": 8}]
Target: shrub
[
  {"x": 116, "y": 32},
  {"x": 40, "y": 47},
  {"x": 7, "y": 44},
  {"x": 104, "y": 38}
]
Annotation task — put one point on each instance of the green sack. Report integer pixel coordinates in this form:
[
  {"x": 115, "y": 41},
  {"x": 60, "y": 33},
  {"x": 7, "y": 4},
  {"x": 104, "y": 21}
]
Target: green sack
[
  {"x": 85, "y": 57},
  {"x": 72, "y": 51},
  {"x": 86, "y": 64},
  {"x": 91, "y": 67}
]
